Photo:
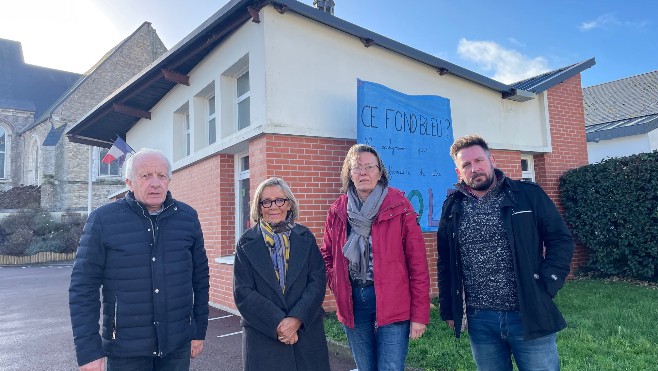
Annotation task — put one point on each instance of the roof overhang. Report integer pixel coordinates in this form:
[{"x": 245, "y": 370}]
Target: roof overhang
[{"x": 622, "y": 128}]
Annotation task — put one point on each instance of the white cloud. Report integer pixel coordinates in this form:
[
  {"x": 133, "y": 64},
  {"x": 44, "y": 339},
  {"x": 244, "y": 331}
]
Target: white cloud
[
  {"x": 600, "y": 22},
  {"x": 507, "y": 65},
  {"x": 609, "y": 20}
]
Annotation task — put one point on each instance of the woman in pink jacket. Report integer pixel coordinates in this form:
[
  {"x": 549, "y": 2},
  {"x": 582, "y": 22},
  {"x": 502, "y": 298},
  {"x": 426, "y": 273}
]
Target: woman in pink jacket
[{"x": 376, "y": 262}]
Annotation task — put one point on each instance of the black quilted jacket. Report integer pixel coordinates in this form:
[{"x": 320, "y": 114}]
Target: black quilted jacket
[{"x": 153, "y": 278}]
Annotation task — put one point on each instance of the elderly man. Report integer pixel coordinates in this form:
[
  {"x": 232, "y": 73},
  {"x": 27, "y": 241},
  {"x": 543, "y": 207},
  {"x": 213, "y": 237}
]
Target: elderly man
[
  {"x": 146, "y": 253},
  {"x": 504, "y": 252}
]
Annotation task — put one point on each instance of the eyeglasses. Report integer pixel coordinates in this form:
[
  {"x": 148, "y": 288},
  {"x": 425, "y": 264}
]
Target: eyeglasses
[
  {"x": 360, "y": 169},
  {"x": 268, "y": 203}
]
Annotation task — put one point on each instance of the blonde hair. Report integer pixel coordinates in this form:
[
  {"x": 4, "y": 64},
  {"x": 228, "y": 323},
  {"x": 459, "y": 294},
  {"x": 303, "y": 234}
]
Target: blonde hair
[{"x": 254, "y": 209}]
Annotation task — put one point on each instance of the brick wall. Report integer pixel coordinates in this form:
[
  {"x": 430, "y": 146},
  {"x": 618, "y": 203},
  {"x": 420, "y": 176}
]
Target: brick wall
[
  {"x": 569, "y": 145},
  {"x": 208, "y": 186}
]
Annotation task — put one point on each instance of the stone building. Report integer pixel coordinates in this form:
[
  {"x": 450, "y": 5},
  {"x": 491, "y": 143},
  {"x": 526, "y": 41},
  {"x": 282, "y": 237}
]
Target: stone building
[
  {"x": 26, "y": 92},
  {"x": 71, "y": 176},
  {"x": 271, "y": 90}
]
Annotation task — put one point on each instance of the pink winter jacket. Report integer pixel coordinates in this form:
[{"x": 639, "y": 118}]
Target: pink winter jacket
[{"x": 399, "y": 262}]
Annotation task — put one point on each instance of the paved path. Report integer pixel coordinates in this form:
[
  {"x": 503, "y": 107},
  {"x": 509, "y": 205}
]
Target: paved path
[{"x": 35, "y": 330}]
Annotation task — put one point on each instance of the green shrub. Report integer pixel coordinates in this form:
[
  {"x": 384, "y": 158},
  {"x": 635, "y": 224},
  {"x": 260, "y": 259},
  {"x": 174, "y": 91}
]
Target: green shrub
[
  {"x": 17, "y": 243},
  {"x": 23, "y": 219},
  {"x": 54, "y": 242},
  {"x": 612, "y": 207},
  {"x": 45, "y": 234},
  {"x": 44, "y": 224}
]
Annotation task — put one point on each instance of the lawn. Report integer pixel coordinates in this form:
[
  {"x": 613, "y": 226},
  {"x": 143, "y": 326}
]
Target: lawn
[{"x": 613, "y": 325}]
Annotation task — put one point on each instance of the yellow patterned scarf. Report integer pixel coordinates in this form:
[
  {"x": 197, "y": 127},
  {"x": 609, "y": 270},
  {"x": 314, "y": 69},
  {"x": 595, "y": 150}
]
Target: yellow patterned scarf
[{"x": 278, "y": 244}]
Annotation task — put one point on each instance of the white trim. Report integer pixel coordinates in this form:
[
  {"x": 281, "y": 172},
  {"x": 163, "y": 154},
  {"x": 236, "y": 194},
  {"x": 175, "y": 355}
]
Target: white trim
[
  {"x": 239, "y": 175},
  {"x": 528, "y": 174}
]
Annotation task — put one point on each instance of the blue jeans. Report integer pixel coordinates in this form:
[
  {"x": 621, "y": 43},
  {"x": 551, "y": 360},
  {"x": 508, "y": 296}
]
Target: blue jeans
[
  {"x": 178, "y": 360},
  {"x": 497, "y": 335},
  {"x": 375, "y": 348}
]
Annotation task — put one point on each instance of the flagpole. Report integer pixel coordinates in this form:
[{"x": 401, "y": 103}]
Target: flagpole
[{"x": 91, "y": 149}]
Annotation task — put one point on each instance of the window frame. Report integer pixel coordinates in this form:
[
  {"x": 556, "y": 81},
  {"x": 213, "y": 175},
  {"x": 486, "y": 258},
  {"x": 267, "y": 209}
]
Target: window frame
[
  {"x": 529, "y": 174},
  {"x": 210, "y": 117},
  {"x": 241, "y": 174},
  {"x": 101, "y": 153},
  {"x": 241, "y": 98}
]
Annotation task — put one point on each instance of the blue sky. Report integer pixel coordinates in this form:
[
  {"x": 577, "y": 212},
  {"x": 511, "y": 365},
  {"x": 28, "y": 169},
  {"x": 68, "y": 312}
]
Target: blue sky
[{"x": 505, "y": 40}]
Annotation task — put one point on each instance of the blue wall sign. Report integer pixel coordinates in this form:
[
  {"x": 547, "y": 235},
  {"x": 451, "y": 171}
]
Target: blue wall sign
[{"x": 413, "y": 135}]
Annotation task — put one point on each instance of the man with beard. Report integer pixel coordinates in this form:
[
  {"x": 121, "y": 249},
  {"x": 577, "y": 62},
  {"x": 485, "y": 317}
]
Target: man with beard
[{"x": 504, "y": 252}]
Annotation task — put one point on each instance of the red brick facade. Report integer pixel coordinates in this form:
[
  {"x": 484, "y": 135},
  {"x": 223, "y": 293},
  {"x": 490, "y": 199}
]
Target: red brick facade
[
  {"x": 568, "y": 142},
  {"x": 311, "y": 166},
  {"x": 209, "y": 187}
]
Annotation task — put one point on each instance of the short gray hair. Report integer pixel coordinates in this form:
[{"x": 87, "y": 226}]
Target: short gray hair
[
  {"x": 129, "y": 170},
  {"x": 254, "y": 210}
]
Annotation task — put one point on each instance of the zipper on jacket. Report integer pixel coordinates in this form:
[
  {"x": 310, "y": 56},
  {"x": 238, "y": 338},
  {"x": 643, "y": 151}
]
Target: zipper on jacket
[{"x": 114, "y": 324}]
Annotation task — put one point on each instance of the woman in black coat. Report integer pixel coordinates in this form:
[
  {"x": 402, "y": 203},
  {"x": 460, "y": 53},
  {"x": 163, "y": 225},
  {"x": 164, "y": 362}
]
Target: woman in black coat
[{"x": 279, "y": 286}]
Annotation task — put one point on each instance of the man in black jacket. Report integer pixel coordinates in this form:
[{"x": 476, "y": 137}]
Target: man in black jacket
[
  {"x": 145, "y": 253},
  {"x": 504, "y": 252}
]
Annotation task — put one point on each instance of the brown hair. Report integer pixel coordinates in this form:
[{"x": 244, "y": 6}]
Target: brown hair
[
  {"x": 468, "y": 141},
  {"x": 350, "y": 161}
]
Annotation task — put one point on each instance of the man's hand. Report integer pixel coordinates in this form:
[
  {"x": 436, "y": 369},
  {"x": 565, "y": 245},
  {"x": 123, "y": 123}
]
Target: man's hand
[
  {"x": 97, "y": 365},
  {"x": 451, "y": 323},
  {"x": 196, "y": 348},
  {"x": 416, "y": 330}
]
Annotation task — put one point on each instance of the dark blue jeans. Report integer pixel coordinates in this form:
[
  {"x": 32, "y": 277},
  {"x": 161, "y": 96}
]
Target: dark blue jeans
[
  {"x": 497, "y": 335},
  {"x": 178, "y": 360},
  {"x": 375, "y": 348}
]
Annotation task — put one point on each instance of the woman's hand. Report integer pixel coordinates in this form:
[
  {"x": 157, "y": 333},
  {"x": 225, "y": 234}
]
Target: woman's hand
[
  {"x": 417, "y": 330},
  {"x": 286, "y": 331}
]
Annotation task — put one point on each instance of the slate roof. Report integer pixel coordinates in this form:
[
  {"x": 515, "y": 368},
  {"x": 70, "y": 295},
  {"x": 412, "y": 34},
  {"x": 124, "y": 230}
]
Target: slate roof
[
  {"x": 26, "y": 87},
  {"x": 100, "y": 126},
  {"x": 540, "y": 83},
  {"x": 621, "y": 108}
]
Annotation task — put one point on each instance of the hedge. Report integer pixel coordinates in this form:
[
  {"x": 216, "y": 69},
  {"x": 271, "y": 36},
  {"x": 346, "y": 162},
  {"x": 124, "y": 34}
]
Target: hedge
[{"x": 612, "y": 208}]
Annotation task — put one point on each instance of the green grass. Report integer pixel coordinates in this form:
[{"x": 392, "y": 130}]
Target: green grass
[{"x": 613, "y": 326}]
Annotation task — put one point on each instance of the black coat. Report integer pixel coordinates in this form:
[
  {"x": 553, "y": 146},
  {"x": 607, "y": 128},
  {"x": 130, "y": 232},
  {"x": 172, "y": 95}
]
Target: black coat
[
  {"x": 532, "y": 222},
  {"x": 154, "y": 279},
  {"x": 262, "y": 304}
]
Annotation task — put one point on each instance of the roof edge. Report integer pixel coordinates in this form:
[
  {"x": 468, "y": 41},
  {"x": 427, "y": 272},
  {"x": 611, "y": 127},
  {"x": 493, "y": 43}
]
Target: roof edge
[{"x": 563, "y": 76}]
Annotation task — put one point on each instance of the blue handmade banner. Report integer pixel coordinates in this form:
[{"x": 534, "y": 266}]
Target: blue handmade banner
[{"x": 413, "y": 135}]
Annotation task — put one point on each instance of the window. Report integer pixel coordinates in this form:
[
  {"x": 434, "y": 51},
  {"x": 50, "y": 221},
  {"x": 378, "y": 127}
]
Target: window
[
  {"x": 243, "y": 221},
  {"x": 242, "y": 100},
  {"x": 35, "y": 170},
  {"x": 212, "y": 124},
  {"x": 527, "y": 167},
  {"x": 188, "y": 135},
  {"x": 3, "y": 152},
  {"x": 111, "y": 169}
]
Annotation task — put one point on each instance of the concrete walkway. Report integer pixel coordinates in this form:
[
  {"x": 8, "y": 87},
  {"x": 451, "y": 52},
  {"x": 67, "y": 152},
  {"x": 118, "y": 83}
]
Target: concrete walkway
[{"x": 35, "y": 330}]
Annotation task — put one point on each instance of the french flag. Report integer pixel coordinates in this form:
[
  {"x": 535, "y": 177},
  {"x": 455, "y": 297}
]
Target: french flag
[{"x": 119, "y": 148}]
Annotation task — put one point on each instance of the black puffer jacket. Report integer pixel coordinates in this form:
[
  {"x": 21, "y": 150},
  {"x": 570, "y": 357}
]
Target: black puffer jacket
[
  {"x": 154, "y": 279},
  {"x": 532, "y": 222}
]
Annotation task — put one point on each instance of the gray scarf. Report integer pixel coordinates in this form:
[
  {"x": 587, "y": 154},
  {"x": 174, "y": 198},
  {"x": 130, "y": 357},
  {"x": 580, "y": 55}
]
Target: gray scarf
[{"x": 357, "y": 248}]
